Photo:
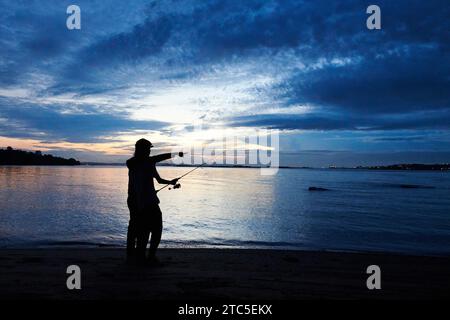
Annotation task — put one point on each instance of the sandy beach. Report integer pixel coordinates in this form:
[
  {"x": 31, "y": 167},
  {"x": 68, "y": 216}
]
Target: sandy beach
[{"x": 213, "y": 274}]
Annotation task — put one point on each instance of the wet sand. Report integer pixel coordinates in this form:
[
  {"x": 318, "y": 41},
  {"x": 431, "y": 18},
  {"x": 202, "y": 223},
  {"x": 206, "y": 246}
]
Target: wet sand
[{"x": 217, "y": 274}]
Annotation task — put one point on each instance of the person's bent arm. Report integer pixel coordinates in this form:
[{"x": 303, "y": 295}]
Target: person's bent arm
[{"x": 164, "y": 181}]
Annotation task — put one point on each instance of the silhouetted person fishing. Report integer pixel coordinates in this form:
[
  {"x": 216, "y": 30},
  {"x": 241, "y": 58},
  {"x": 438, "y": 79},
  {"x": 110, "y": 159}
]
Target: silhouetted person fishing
[{"x": 145, "y": 214}]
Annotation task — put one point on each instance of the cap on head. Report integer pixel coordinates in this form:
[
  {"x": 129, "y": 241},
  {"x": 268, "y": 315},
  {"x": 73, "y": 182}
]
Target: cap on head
[
  {"x": 142, "y": 148},
  {"x": 143, "y": 143}
]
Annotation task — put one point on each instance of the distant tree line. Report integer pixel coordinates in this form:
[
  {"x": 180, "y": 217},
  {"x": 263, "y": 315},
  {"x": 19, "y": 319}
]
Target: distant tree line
[
  {"x": 9, "y": 156},
  {"x": 412, "y": 166}
]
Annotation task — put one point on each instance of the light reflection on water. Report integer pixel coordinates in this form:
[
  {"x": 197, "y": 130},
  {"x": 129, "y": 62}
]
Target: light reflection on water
[{"x": 221, "y": 207}]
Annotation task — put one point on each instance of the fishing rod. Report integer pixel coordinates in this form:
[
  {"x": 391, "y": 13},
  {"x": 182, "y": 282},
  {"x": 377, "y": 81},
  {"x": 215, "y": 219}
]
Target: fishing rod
[{"x": 177, "y": 186}]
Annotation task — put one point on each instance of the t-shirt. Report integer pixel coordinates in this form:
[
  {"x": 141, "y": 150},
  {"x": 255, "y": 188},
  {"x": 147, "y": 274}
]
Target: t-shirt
[{"x": 141, "y": 188}]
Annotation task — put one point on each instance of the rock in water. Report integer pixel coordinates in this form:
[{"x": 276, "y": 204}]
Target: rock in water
[
  {"x": 415, "y": 186},
  {"x": 318, "y": 189}
]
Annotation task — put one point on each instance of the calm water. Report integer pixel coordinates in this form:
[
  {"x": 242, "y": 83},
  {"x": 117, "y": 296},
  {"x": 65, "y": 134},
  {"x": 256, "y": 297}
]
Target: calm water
[{"x": 216, "y": 207}]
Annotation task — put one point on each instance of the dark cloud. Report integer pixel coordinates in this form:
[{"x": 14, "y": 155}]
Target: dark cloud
[
  {"x": 293, "y": 122},
  {"x": 143, "y": 40},
  {"x": 54, "y": 123},
  {"x": 401, "y": 139},
  {"x": 33, "y": 42},
  {"x": 396, "y": 84},
  {"x": 344, "y": 121}
]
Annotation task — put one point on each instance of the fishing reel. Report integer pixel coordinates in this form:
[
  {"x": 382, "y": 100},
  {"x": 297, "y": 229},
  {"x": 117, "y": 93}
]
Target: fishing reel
[{"x": 176, "y": 186}]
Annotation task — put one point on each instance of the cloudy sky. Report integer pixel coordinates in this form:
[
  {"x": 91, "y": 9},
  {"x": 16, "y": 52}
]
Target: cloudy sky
[{"x": 337, "y": 92}]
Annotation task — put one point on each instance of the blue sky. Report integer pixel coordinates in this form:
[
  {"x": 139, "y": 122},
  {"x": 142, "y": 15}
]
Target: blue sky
[{"x": 338, "y": 92}]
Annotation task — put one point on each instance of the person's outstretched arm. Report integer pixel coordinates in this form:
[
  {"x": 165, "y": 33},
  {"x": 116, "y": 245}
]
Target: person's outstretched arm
[{"x": 165, "y": 156}]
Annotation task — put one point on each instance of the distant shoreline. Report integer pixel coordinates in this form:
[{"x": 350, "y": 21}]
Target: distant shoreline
[
  {"x": 395, "y": 167},
  {"x": 15, "y": 157},
  {"x": 441, "y": 168},
  {"x": 10, "y": 156}
]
